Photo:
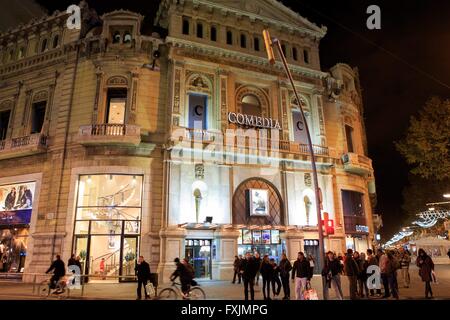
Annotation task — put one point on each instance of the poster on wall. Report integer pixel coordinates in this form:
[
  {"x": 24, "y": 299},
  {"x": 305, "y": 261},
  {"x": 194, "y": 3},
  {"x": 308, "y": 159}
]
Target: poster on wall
[
  {"x": 247, "y": 237},
  {"x": 275, "y": 236},
  {"x": 257, "y": 237},
  {"x": 259, "y": 202},
  {"x": 240, "y": 237},
  {"x": 266, "y": 236},
  {"x": 16, "y": 203}
]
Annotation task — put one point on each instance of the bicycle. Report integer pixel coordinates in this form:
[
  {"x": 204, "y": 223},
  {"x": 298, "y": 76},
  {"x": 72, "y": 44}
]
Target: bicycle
[
  {"x": 61, "y": 290},
  {"x": 174, "y": 292}
]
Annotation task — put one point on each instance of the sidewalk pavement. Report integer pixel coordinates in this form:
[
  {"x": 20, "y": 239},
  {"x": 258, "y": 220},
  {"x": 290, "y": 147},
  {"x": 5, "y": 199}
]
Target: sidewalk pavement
[{"x": 225, "y": 290}]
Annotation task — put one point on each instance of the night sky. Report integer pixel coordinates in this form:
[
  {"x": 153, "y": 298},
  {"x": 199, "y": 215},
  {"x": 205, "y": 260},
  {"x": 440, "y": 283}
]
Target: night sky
[{"x": 400, "y": 66}]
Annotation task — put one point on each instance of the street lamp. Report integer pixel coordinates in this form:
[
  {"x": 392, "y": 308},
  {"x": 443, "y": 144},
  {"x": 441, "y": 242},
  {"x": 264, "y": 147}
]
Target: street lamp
[
  {"x": 447, "y": 195},
  {"x": 269, "y": 42}
]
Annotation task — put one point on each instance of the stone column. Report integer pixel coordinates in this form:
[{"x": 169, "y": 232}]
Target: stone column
[
  {"x": 225, "y": 246},
  {"x": 172, "y": 246},
  {"x": 294, "y": 243}
]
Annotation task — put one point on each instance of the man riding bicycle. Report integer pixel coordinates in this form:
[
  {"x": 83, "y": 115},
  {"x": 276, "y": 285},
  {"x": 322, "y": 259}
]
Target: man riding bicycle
[
  {"x": 186, "y": 273},
  {"x": 59, "y": 271}
]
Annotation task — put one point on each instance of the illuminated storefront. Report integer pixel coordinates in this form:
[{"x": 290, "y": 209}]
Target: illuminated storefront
[
  {"x": 16, "y": 206},
  {"x": 108, "y": 223},
  {"x": 261, "y": 241}
]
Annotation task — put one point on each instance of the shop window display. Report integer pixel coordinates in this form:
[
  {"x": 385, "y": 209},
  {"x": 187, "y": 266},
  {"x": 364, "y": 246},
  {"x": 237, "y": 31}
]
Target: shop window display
[
  {"x": 16, "y": 205},
  {"x": 108, "y": 220}
]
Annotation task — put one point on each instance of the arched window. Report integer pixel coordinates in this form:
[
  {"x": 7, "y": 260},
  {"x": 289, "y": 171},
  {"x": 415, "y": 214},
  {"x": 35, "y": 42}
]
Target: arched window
[
  {"x": 229, "y": 37},
  {"x": 306, "y": 56},
  {"x": 199, "y": 30},
  {"x": 44, "y": 45},
  {"x": 185, "y": 26},
  {"x": 256, "y": 44},
  {"x": 127, "y": 38},
  {"x": 243, "y": 41},
  {"x": 251, "y": 105},
  {"x": 294, "y": 54},
  {"x": 55, "y": 42},
  {"x": 116, "y": 37},
  {"x": 213, "y": 33}
]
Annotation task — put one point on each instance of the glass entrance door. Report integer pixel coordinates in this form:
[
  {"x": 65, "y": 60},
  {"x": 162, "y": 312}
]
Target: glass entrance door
[
  {"x": 198, "y": 253},
  {"x": 129, "y": 257}
]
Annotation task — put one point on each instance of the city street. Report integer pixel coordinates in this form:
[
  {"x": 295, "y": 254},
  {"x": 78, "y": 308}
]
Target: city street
[{"x": 221, "y": 290}]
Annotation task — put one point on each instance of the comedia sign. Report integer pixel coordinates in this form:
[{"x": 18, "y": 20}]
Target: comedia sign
[{"x": 253, "y": 121}]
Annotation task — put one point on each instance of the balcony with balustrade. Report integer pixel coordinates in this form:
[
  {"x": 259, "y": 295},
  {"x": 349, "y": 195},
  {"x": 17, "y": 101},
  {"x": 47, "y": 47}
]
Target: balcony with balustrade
[
  {"x": 195, "y": 138},
  {"x": 357, "y": 164},
  {"x": 109, "y": 134},
  {"x": 23, "y": 146}
]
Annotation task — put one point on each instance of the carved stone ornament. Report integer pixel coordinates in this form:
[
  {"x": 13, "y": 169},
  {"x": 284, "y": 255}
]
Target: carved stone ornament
[
  {"x": 117, "y": 81},
  {"x": 308, "y": 181},
  {"x": 40, "y": 96},
  {"x": 199, "y": 171}
]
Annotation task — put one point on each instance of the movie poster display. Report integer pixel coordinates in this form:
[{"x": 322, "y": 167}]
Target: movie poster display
[{"x": 259, "y": 204}]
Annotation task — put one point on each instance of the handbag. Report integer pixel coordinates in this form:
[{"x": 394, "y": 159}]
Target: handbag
[
  {"x": 309, "y": 293},
  {"x": 150, "y": 289}
]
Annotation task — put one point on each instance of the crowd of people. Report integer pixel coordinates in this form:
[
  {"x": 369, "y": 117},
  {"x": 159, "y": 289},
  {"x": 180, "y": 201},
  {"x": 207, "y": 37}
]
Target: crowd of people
[{"x": 360, "y": 269}]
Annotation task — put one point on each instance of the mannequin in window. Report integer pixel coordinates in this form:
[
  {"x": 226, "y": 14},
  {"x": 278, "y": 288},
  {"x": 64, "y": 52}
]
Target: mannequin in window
[{"x": 308, "y": 204}]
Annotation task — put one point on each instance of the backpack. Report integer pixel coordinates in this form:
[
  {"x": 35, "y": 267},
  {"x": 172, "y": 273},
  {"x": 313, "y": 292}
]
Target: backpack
[{"x": 190, "y": 271}]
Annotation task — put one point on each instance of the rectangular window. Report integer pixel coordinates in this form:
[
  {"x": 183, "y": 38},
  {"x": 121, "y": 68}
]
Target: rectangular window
[
  {"x": 116, "y": 106},
  {"x": 294, "y": 54},
  {"x": 229, "y": 37},
  {"x": 197, "y": 111},
  {"x": 213, "y": 34},
  {"x": 352, "y": 203},
  {"x": 256, "y": 44},
  {"x": 38, "y": 116},
  {"x": 243, "y": 41},
  {"x": 4, "y": 121},
  {"x": 199, "y": 30},
  {"x": 186, "y": 27},
  {"x": 349, "y": 137},
  {"x": 306, "y": 56}
]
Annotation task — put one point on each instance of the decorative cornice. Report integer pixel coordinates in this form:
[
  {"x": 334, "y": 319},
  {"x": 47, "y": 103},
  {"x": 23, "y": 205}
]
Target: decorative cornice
[{"x": 243, "y": 57}]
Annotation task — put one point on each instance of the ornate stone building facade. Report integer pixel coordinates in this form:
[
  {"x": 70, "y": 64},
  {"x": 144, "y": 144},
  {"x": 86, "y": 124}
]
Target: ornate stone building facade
[{"x": 92, "y": 120}]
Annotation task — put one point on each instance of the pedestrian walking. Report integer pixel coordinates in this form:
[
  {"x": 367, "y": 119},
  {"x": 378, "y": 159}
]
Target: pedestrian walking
[
  {"x": 388, "y": 266},
  {"x": 237, "y": 268},
  {"x": 275, "y": 278},
  {"x": 285, "y": 268},
  {"x": 331, "y": 276},
  {"x": 249, "y": 269},
  {"x": 405, "y": 261},
  {"x": 301, "y": 272},
  {"x": 267, "y": 275},
  {"x": 426, "y": 268},
  {"x": 143, "y": 275},
  {"x": 351, "y": 271}
]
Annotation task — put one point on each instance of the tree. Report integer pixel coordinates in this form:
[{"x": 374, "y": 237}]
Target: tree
[
  {"x": 427, "y": 143},
  {"x": 419, "y": 192}
]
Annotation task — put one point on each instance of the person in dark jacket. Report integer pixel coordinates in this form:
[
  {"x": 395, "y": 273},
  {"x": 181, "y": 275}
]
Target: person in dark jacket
[
  {"x": 258, "y": 261},
  {"x": 184, "y": 274},
  {"x": 351, "y": 271},
  {"x": 426, "y": 267},
  {"x": 59, "y": 270},
  {"x": 249, "y": 269},
  {"x": 331, "y": 276},
  {"x": 275, "y": 278},
  {"x": 285, "y": 267},
  {"x": 301, "y": 272},
  {"x": 143, "y": 275},
  {"x": 72, "y": 261},
  {"x": 363, "y": 290},
  {"x": 267, "y": 276},
  {"x": 237, "y": 269}
]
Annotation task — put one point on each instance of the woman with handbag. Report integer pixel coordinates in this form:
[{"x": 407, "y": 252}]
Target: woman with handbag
[
  {"x": 331, "y": 276},
  {"x": 426, "y": 268}
]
